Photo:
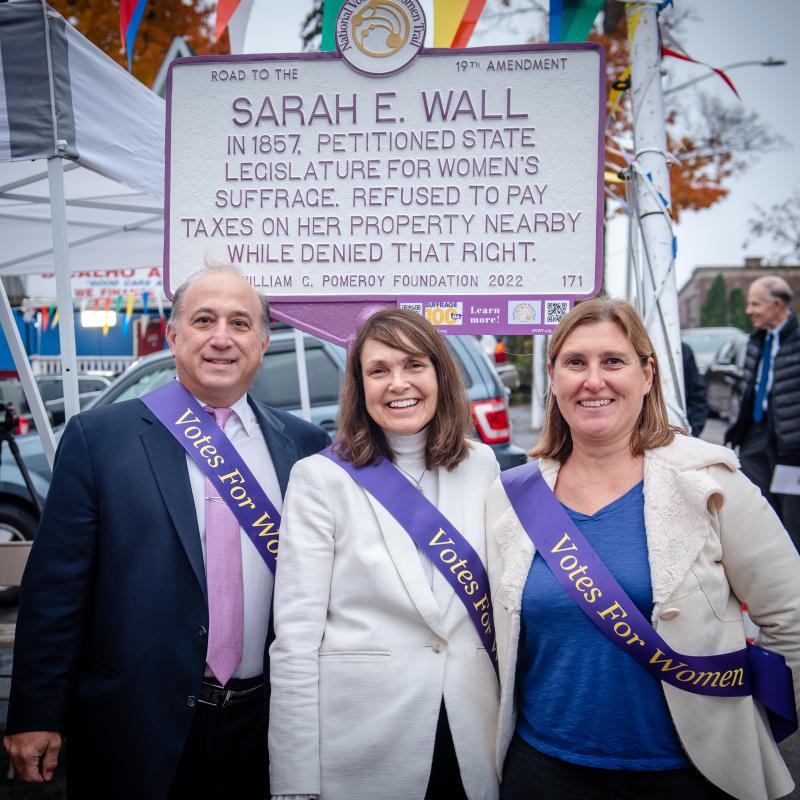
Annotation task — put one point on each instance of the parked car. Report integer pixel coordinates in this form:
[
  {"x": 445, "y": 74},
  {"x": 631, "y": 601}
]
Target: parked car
[
  {"x": 51, "y": 388},
  {"x": 707, "y": 342},
  {"x": 495, "y": 349},
  {"x": 724, "y": 378},
  {"x": 275, "y": 384}
]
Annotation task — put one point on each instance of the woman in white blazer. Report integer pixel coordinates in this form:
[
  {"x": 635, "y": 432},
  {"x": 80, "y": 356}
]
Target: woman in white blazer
[
  {"x": 688, "y": 538},
  {"x": 380, "y": 684}
]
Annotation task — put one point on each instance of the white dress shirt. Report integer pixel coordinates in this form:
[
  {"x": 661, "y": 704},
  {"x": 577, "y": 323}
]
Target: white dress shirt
[{"x": 245, "y": 435}]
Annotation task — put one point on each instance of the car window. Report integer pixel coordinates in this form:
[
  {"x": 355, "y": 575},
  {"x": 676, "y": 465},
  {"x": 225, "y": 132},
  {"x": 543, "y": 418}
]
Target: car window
[
  {"x": 91, "y": 384},
  {"x": 11, "y": 392},
  {"x": 276, "y": 382},
  {"x": 147, "y": 382},
  {"x": 51, "y": 389},
  {"x": 465, "y": 374},
  {"x": 705, "y": 343}
]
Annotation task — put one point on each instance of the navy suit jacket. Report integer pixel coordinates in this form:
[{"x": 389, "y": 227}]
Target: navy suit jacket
[{"x": 111, "y": 633}]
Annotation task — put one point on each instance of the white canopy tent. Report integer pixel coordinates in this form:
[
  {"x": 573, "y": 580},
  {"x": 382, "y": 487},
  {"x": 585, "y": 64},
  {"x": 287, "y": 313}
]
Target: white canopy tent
[{"x": 81, "y": 171}]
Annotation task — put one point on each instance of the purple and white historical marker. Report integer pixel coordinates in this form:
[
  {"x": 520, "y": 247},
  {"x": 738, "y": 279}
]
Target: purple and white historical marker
[{"x": 465, "y": 184}]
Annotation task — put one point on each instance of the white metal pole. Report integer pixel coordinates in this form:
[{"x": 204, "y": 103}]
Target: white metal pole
[
  {"x": 66, "y": 326},
  {"x": 302, "y": 374},
  {"x": 29, "y": 386},
  {"x": 538, "y": 382},
  {"x": 660, "y": 300}
]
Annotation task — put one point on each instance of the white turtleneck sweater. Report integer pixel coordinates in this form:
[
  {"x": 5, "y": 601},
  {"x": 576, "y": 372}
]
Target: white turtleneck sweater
[{"x": 409, "y": 456}]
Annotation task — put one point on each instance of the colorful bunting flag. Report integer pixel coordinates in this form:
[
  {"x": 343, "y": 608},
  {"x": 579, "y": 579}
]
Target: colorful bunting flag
[
  {"x": 572, "y": 20},
  {"x": 107, "y": 309},
  {"x": 54, "y": 323},
  {"x": 673, "y": 54},
  {"x": 469, "y": 20},
  {"x": 130, "y": 17},
  {"x": 45, "y": 312},
  {"x": 126, "y": 320},
  {"x": 330, "y": 10},
  {"x": 225, "y": 9}
]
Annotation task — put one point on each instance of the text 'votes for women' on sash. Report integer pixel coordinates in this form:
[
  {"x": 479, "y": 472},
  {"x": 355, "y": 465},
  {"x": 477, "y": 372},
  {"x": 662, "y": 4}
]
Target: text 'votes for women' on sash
[
  {"x": 587, "y": 580},
  {"x": 435, "y": 535},
  {"x": 212, "y": 451}
]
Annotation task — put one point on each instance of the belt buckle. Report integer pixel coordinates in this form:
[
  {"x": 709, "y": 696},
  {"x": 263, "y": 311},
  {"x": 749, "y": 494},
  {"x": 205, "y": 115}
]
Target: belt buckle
[{"x": 228, "y": 695}]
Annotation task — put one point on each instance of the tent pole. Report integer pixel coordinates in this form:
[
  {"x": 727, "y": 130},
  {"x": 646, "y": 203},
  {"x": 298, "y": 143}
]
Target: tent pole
[
  {"x": 23, "y": 366},
  {"x": 302, "y": 374},
  {"x": 66, "y": 327}
]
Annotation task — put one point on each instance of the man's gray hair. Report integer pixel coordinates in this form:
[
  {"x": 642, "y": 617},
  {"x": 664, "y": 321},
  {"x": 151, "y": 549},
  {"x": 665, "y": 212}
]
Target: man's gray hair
[
  {"x": 777, "y": 288},
  {"x": 180, "y": 294}
]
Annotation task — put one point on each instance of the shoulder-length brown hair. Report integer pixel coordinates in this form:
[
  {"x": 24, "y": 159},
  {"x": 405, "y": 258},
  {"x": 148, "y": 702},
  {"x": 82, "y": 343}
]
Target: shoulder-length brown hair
[
  {"x": 653, "y": 428},
  {"x": 359, "y": 438}
]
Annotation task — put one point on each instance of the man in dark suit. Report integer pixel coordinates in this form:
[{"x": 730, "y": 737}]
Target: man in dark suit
[
  {"x": 767, "y": 430},
  {"x": 122, "y": 601}
]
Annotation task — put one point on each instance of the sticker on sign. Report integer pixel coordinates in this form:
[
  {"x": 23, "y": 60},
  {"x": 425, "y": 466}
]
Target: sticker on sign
[{"x": 465, "y": 173}]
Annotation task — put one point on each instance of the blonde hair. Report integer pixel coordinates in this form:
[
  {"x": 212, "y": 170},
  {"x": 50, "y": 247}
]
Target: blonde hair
[{"x": 653, "y": 428}]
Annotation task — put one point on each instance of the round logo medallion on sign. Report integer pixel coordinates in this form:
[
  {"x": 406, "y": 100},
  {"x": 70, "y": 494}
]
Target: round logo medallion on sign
[
  {"x": 523, "y": 312},
  {"x": 379, "y": 37}
]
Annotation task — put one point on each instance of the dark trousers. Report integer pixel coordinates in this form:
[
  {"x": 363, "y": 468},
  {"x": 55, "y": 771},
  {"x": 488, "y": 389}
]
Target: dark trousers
[
  {"x": 445, "y": 780},
  {"x": 226, "y": 753},
  {"x": 531, "y": 775},
  {"x": 758, "y": 457}
]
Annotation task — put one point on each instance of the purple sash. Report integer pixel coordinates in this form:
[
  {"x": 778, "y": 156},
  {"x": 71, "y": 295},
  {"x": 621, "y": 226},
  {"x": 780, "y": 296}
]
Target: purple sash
[
  {"x": 585, "y": 578},
  {"x": 212, "y": 451},
  {"x": 430, "y": 530}
]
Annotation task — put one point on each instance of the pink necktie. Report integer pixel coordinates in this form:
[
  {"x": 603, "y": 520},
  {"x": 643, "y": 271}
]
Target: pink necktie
[{"x": 224, "y": 578}]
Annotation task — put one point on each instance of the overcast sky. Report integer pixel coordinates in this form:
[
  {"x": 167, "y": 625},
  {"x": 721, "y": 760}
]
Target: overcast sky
[{"x": 726, "y": 32}]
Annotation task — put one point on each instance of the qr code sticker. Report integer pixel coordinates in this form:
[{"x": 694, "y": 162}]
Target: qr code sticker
[
  {"x": 554, "y": 311},
  {"x": 415, "y": 307}
]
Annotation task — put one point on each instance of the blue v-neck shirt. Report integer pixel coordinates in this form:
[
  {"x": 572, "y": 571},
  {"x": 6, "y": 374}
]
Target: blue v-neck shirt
[{"x": 580, "y": 698}]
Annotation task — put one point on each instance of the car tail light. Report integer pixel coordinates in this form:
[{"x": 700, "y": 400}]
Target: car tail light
[
  {"x": 491, "y": 420},
  {"x": 23, "y": 425},
  {"x": 499, "y": 353}
]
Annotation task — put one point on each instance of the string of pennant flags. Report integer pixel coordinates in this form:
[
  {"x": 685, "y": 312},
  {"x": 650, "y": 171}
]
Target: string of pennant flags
[{"x": 47, "y": 317}]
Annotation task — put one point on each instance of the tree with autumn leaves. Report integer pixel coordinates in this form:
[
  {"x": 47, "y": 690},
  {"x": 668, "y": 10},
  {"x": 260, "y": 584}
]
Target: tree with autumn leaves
[
  {"x": 711, "y": 140},
  {"x": 163, "y": 20}
]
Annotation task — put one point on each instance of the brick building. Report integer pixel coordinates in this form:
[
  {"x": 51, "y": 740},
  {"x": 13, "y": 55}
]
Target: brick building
[{"x": 694, "y": 291}]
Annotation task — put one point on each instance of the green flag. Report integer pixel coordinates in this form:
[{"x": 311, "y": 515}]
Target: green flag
[
  {"x": 330, "y": 10},
  {"x": 571, "y": 20}
]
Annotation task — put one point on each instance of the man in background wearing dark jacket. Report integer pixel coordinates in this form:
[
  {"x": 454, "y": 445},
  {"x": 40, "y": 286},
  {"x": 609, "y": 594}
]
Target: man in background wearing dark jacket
[
  {"x": 767, "y": 430},
  {"x": 694, "y": 392}
]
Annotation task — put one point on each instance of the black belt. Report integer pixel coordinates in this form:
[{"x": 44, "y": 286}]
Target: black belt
[{"x": 235, "y": 691}]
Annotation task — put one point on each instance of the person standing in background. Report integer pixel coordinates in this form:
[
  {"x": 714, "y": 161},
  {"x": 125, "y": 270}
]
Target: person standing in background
[
  {"x": 767, "y": 430},
  {"x": 694, "y": 392}
]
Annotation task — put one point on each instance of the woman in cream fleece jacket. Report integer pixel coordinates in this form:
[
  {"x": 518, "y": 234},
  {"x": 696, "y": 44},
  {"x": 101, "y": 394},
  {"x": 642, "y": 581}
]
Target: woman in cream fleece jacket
[{"x": 688, "y": 537}]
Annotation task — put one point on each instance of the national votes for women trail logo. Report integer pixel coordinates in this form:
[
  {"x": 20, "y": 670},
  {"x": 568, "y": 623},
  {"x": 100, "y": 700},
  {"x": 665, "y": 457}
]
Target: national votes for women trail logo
[{"x": 379, "y": 37}]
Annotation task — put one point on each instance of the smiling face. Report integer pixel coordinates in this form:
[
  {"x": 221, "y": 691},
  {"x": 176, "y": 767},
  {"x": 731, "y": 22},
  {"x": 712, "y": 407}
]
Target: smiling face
[
  {"x": 217, "y": 342},
  {"x": 599, "y": 384},
  {"x": 401, "y": 390}
]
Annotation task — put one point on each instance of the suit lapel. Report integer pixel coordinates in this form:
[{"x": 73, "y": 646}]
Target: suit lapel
[
  {"x": 281, "y": 448},
  {"x": 406, "y": 559},
  {"x": 168, "y": 461}
]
